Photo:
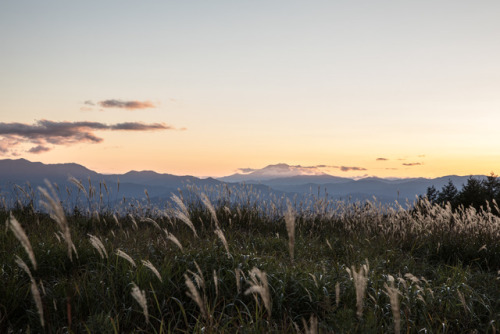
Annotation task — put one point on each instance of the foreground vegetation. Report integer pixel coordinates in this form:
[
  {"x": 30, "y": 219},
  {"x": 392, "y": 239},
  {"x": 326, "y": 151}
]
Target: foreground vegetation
[{"x": 208, "y": 263}]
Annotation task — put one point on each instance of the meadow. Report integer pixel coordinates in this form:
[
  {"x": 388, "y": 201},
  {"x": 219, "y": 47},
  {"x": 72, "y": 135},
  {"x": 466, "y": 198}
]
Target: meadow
[{"x": 235, "y": 261}]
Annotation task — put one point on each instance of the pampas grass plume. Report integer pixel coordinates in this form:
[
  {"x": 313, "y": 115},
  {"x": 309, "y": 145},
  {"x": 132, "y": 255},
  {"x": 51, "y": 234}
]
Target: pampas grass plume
[{"x": 18, "y": 231}]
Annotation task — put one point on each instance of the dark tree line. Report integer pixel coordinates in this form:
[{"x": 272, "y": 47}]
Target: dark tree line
[{"x": 474, "y": 193}]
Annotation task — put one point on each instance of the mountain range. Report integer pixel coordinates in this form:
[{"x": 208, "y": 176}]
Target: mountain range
[{"x": 280, "y": 179}]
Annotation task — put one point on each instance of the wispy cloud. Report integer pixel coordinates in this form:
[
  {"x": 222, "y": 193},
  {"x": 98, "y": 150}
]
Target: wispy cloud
[
  {"x": 45, "y": 132},
  {"x": 412, "y": 164},
  {"x": 131, "y": 105},
  {"x": 246, "y": 170},
  {"x": 314, "y": 169},
  {"x": 348, "y": 169},
  {"x": 314, "y": 166},
  {"x": 342, "y": 168},
  {"x": 382, "y": 159}
]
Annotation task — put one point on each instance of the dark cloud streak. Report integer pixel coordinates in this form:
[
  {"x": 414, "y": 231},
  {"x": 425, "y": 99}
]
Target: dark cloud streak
[
  {"x": 131, "y": 105},
  {"x": 134, "y": 126},
  {"x": 39, "y": 149},
  {"x": 45, "y": 132}
]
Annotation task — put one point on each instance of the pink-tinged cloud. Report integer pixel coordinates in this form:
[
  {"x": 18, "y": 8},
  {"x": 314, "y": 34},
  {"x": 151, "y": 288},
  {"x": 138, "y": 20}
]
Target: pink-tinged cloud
[
  {"x": 45, "y": 132},
  {"x": 410, "y": 164},
  {"x": 131, "y": 105},
  {"x": 382, "y": 159}
]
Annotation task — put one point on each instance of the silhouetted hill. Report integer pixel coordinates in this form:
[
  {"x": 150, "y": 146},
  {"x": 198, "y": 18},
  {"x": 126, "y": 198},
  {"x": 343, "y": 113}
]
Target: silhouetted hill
[
  {"x": 22, "y": 170},
  {"x": 132, "y": 184}
]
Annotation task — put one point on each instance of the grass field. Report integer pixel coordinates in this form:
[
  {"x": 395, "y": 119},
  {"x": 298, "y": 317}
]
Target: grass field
[{"x": 209, "y": 264}]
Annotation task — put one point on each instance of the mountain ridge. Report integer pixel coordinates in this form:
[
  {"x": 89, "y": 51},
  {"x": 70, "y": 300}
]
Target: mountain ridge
[{"x": 133, "y": 183}]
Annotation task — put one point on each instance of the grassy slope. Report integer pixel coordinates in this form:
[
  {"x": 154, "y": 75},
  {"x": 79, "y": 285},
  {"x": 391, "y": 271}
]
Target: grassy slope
[{"x": 453, "y": 286}]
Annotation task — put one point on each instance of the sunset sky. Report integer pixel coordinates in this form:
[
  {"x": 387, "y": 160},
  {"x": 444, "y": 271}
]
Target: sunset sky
[{"x": 392, "y": 88}]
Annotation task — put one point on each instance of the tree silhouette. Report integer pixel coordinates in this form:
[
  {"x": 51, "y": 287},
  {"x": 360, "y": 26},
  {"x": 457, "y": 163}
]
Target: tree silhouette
[
  {"x": 448, "y": 194},
  {"x": 492, "y": 187},
  {"x": 473, "y": 193},
  {"x": 432, "y": 194}
]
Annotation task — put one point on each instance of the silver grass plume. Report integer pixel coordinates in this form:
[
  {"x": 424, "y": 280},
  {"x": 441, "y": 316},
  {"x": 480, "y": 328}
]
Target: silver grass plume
[
  {"x": 222, "y": 238},
  {"x": 149, "y": 220},
  {"x": 173, "y": 238},
  {"x": 290, "y": 228},
  {"x": 181, "y": 205},
  {"x": 259, "y": 286},
  {"x": 133, "y": 221},
  {"x": 98, "y": 245},
  {"x": 53, "y": 205},
  {"x": 78, "y": 184},
  {"x": 360, "y": 280},
  {"x": 393, "y": 294},
  {"x": 211, "y": 209},
  {"x": 18, "y": 231},
  {"x": 140, "y": 296},
  {"x": 185, "y": 219},
  {"x": 34, "y": 289},
  {"x": 151, "y": 267},
  {"x": 313, "y": 325},
  {"x": 337, "y": 294},
  {"x": 194, "y": 294},
  {"x": 125, "y": 256}
]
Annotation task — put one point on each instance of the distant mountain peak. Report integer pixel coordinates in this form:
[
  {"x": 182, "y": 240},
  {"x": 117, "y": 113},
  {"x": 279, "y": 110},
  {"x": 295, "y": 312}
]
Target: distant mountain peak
[
  {"x": 275, "y": 171},
  {"x": 285, "y": 170}
]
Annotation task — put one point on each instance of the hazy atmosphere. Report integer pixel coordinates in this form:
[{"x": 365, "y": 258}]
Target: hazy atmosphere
[{"x": 385, "y": 88}]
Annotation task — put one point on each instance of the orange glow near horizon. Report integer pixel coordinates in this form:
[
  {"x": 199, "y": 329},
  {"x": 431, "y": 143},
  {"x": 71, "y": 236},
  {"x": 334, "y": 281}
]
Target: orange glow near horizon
[{"x": 197, "y": 165}]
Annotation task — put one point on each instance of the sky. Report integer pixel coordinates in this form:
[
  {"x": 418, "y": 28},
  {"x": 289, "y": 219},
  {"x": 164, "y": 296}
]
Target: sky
[{"x": 209, "y": 88}]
